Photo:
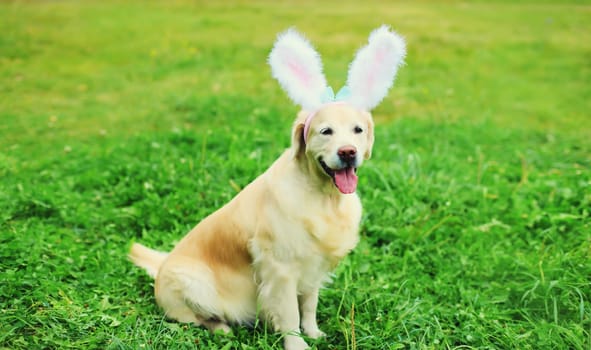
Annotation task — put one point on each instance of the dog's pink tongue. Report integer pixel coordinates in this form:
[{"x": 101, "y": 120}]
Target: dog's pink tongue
[{"x": 346, "y": 180}]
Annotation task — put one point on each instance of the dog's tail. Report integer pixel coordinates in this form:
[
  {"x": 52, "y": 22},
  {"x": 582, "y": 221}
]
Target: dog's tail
[{"x": 146, "y": 258}]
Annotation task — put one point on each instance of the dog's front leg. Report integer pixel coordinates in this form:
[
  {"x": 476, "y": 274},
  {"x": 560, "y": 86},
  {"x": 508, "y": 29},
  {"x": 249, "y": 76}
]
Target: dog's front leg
[
  {"x": 309, "y": 302},
  {"x": 278, "y": 298}
]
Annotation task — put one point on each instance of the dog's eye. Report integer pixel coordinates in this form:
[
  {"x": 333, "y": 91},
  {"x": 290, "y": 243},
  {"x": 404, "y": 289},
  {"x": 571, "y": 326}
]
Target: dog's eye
[
  {"x": 326, "y": 131},
  {"x": 358, "y": 130}
]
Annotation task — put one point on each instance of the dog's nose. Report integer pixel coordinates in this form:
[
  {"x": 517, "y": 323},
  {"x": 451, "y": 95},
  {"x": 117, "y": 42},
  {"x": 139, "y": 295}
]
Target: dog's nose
[{"x": 347, "y": 153}]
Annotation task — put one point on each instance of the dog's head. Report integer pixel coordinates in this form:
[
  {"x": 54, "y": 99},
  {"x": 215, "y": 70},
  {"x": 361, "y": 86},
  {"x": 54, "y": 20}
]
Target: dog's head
[
  {"x": 335, "y": 133},
  {"x": 337, "y": 141}
]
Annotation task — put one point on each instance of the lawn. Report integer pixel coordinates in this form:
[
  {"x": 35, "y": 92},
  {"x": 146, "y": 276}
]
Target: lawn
[{"x": 130, "y": 121}]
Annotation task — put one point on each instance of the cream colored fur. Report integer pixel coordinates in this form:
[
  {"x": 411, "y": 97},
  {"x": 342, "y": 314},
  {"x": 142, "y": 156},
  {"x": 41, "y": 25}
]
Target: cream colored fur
[{"x": 273, "y": 245}]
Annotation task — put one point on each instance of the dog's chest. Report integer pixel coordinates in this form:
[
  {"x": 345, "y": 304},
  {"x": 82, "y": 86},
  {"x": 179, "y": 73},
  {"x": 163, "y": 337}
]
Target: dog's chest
[
  {"x": 326, "y": 239},
  {"x": 306, "y": 235},
  {"x": 328, "y": 231},
  {"x": 334, "y": 234}
]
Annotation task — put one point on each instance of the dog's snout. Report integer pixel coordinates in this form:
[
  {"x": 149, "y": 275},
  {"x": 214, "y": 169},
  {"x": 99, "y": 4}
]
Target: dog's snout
[{"x": 347, "y": 153}]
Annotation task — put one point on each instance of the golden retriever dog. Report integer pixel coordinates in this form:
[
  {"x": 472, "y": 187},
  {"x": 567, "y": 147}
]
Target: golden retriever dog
[{"x": 268, "y": 251}]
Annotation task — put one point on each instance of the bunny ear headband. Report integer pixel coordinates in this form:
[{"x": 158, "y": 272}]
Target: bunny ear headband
[{"x": 298, "y": 68}]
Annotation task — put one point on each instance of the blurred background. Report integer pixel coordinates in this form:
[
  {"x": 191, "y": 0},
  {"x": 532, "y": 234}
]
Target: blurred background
[{"x": 104, "y": 68}]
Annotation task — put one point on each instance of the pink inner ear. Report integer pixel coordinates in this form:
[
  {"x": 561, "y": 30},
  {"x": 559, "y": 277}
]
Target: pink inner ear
[
  {"x": 380, "y": 53},
  {"x": 300, "y": 72},
  {"x": 371, "y": 74}
]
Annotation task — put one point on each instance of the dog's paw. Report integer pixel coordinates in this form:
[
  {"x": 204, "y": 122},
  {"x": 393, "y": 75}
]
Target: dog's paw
[
  {"x": 310, "y": 328},
  {"x": 314, "y": 333},
  {"x": 218, "y": 327},
  {"x": 222, "y": 328},
  {"x": 292, "y": 342}
]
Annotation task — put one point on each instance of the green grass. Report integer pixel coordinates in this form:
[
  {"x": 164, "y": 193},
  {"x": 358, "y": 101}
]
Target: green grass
[{"x": 130, "y": 121}]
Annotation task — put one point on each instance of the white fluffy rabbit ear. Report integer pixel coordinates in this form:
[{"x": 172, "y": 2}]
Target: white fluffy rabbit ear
[
  {"x": 298, "y": 68},
  {"x": 372, "y": 72}
]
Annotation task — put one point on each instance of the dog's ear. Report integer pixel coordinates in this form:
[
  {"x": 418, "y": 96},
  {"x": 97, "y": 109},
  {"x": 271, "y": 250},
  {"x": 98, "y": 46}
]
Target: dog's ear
[
  {"x": 372, "y": 72},
  {"x": 298, "y": 68},
  {"x": 298, "y": 143},
  {"x": 370, "y": 137}
]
